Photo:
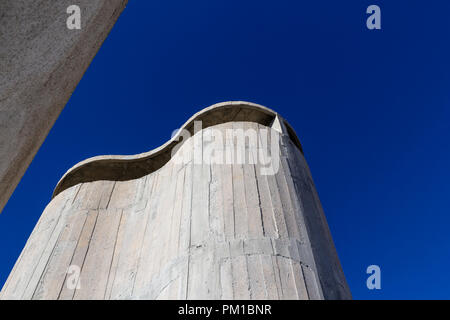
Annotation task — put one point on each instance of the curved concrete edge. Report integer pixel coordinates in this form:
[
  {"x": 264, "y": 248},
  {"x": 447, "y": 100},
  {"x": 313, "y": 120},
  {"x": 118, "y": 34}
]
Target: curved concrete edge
[{"x": 128, "y": 167}]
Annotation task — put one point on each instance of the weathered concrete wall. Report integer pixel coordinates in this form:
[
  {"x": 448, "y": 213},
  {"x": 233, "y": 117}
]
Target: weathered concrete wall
[
  {"x": 41, "y": 62},
  {"x": 188, "y": 230}
]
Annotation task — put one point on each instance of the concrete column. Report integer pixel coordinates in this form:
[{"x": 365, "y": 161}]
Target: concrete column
[
  {"x": 41, "y": 63},
  {"x": 229, "y": 213}
]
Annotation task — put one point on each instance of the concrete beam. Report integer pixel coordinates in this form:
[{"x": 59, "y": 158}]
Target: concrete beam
[{"x": 41, "y": 63}]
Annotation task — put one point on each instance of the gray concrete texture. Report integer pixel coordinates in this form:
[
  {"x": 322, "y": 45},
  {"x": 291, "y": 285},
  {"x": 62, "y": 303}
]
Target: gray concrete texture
[
  {"x": 41, "y": 63},
  {"x": 170, "y": 230}
]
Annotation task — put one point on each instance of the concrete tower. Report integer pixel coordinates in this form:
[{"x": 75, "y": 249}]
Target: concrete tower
[{"x": 226, "y": 209}]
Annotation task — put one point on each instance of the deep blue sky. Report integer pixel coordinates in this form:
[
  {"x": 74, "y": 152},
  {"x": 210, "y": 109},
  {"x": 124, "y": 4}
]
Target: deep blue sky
[{"x": 372, "y": 109}]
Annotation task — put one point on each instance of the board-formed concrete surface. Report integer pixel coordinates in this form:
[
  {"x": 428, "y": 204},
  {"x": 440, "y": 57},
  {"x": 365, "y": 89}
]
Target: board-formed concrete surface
[
  {"x": 173, "y": 224},
  {"x": 41, "y": 62}
]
